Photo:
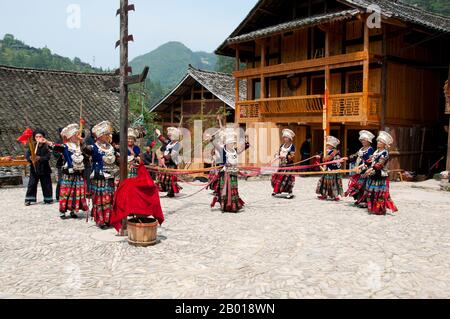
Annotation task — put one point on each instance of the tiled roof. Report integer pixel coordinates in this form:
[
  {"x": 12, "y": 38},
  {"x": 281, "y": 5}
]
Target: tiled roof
[
  {"x": 405, "y": 12},
  {"x": 51, "y": 99},
  {"x": 248, "y": 29},
  {"x": 221, "y": 85},
  {"x": 283, "y": 27}
]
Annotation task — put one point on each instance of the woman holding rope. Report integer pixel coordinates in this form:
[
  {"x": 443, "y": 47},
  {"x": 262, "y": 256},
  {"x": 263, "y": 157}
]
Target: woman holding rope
[
  {"x": 357, "y": 183},
  {"x": 285, "y": 183},
  {"x": 134, "y": 153},
  {"x": 330, "y": 185},
  {"x": 227, "y": 194},
  {"x": 72, "y": 196},
  {"x": 171, "y": 152},
  {"x": 105, "y": 170},
  {"x": 377, "y": 194}
]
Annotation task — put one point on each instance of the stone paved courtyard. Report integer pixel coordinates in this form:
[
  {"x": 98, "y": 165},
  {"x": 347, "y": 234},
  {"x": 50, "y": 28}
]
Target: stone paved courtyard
[{"x": 275, "y": 248}]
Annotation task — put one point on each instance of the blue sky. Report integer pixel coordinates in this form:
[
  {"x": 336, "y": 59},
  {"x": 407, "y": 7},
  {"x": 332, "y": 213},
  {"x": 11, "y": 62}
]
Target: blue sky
[{"x": 199, "y": 24}]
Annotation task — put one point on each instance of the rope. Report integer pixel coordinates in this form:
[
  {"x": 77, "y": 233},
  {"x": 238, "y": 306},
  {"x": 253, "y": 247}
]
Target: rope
[
  {"x": 267, "y": 169},
  {"x": 182, "y": 171},
  {"x": 194, "y": 184},
  {"x": 201, "y": 190}
]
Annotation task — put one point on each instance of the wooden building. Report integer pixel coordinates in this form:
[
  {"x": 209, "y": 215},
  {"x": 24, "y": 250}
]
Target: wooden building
[
  {"x": 200, "y": 95},
  {"x": 50, "y": 100},
  {"x": 298, "y": 54}
]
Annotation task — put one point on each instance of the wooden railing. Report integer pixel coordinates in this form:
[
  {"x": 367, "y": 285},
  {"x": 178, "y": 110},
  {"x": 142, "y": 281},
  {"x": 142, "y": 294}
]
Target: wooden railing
[
  {"x": 248, "y": 111},
  {"x": 292, "y": 105},
  {"x": 334, "y": 61},
  {"x": 347, "y": 107}
]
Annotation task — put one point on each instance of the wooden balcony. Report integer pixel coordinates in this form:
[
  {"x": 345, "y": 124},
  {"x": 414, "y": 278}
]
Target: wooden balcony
[
  {"x": 334, "y": 61},
  {"x": 309, "y": 109}
]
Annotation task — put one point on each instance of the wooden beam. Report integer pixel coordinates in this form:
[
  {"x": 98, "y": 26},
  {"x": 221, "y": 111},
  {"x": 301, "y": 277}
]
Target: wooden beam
[
  {"x": 263, "y": 64},
  {"x": 384, "y": 70},
  {"x": 124, "y": 106},
  {"x": 138, "y": 78},
  {"x": 448, "y": 144},
  {"x": 448, "y": 148},
  {"x": 237, "y": 99},
  {"x": 237, "y": 65},
  {"x": 267, "y": 12},
  {"x": 335, "y": 61},
  {"x": 326, "y": 106},
  {"x": 366, "y": 70}
]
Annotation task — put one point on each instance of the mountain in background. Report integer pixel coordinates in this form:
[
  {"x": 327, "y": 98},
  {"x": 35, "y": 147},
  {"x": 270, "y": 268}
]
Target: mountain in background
[
  {"x": 169, "y": 62},
  {"x": 16, "y": 53},
  {"x": 168, "y": 65}
]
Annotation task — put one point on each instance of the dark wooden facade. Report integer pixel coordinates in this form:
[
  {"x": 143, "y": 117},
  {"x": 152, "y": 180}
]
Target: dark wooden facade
[{"x": 378, "y": 78}]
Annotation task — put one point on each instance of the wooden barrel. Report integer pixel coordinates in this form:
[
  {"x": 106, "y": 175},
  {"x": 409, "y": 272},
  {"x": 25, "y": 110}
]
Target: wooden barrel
[{"x": 142, "y": 231}]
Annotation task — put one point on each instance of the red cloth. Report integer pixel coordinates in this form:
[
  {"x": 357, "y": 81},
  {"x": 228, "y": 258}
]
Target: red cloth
[
  {"x": 136, "y": 196},
  {"x": 26, "y": 135}
]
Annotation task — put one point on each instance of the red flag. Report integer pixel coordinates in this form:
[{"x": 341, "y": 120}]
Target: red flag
[
  {"x": 136, "y": 196},
  {"x": 82, "y": 121},
  {"x": 26, "y": 135}
]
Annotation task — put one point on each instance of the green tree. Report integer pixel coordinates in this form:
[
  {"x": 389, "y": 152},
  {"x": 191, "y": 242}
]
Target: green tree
[
  {"x": 437, "y": 6},
  {"x": 16, "y": 53},
  {"x": 225, "y": 64}
]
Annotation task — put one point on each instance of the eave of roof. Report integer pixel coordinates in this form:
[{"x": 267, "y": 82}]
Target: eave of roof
[
  {"x": 389, "y": 9},
  {"x": 225, "y": 93},
  {"x": 293, "y": 25},
  {"x": 405, "y": 12},
  {"x": 57, "y": 72}
]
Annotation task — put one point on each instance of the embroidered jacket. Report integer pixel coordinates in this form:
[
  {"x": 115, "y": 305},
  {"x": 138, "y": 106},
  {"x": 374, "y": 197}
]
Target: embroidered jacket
[
  {"x": 362, "y": 157},
  {"x": 171, "y": 151},
  {"x": 72, "y": 155},
  {"x": 379, "y": 163},
  {"x": 332, "y": 155},
  {"x": 287, "y": 154},
  {"x": 133, "y": 154},
  {"x": 104, "y": 160}
]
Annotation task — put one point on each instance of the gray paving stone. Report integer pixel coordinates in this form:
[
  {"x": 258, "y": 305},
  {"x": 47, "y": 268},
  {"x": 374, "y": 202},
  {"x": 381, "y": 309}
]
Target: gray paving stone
[{"x": 275, "y": 248}]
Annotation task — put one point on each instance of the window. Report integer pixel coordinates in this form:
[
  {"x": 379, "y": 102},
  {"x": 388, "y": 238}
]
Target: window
[
  {"x": 317, "y": 85},
  {"x": 354, "y": 82},
  {"x": 256, "y": 90}
]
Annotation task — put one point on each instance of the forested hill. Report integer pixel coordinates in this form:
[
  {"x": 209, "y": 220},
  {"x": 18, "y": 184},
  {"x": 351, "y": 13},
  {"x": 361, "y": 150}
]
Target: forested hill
[
  {"x": 168, "y": 63},
  {"x": 16, "y": 53}
]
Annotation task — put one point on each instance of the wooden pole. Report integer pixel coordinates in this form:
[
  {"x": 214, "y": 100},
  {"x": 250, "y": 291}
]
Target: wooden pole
[
  {"x": 447, "y": 108},
  {"x": 124, "y": 103},
  {"x": 326, "y": 108},
  {"x": 384, "y": 70},
  {"x": 263, "y": 64},
  {"x": 237, "y": 89},
  {"x": 448, "y": 149},
  {"x": 124, "y": 106},
  {"x": 366, "y": 69}
]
